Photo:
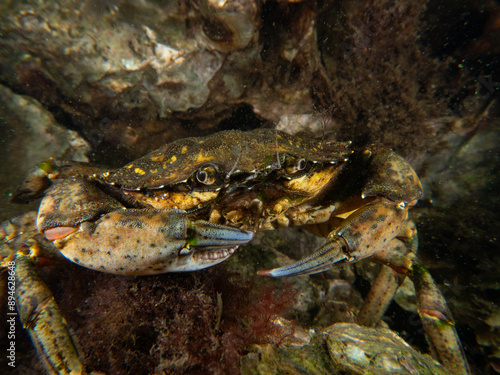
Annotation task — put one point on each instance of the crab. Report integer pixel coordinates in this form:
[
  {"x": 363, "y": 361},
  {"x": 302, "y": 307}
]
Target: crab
[{"x": 191, "y": 203}]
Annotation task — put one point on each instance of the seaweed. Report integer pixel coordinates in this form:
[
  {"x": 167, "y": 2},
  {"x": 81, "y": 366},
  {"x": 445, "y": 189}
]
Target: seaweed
[
  {"x": 183, "y": 323},
  {"x": 380, "y": 83}
]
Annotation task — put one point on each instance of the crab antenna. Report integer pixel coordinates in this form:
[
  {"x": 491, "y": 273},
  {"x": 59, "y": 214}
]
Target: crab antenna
[
  {"x": 278, "y": 151},
  {"x": 234, "y": 166}
]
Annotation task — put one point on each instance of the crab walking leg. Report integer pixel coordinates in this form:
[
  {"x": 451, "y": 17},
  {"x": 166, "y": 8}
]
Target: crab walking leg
[
  {"x": 438, "y": 323},
  {"x": 379, "y": 297},
  {"x": 42, "y": 318},
  {"x": 432, "y": 308},
  {"x": 372, "y": 231},
  {"x": 397, "y": 259},
  {"x": 364, "y": 232},
  {"x": 147, "y": 242}
]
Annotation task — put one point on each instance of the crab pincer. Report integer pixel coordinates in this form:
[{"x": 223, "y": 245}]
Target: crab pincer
[
  {"x": 360, "y": 236},
  {"x": 157, "y": 241}
]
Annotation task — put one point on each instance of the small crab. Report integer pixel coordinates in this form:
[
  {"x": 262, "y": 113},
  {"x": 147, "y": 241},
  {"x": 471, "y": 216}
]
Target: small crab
[{"x": 190, "y": 204}]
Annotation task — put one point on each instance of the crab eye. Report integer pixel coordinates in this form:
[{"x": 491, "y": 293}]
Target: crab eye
[
  {"x": 206, "y": 175},
  {"x": 301, "y": 164},
  {"x": 202, "y": 176},
  {"x": 296, "y": 165}
]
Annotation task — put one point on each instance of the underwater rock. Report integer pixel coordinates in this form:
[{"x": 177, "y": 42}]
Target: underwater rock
[
  {"x": 358, "y": 350},
  {"x": 120, "y": 69},
  {"x": 343, "y": 348},
  {"x": 134, "y": 76},
  {"x": 30, "y": 135}
]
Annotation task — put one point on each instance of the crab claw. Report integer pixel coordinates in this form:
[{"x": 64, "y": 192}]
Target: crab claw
[
  {"x": 148, "y": 242},
  {"x": 34, "y": 183},
  {"x": 361, "y": 235},
  {"x": 209, "y": 244},
  {"x": 321, "y": 260}
]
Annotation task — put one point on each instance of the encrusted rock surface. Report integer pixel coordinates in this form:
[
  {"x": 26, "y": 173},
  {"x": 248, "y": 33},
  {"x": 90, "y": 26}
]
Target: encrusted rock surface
[
  {"x": 343, "y": 348},
  {"x": 134, "y": 76}
]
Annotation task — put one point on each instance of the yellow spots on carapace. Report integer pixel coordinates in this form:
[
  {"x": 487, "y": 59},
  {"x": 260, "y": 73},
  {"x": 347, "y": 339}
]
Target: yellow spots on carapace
[
  {"x": 158, "y": 158},
  {"x": 203, "y": 158},
  {"x": 130, "y": 166},
  {"x": 164, "y": 165},
  {"x": 153, "y": 170},
  {"x": 173, "y": 159},
  {"x": 139, "y": 171},
  {"x": 105, "y": 174},
  {"x": 184, "y": 150}
]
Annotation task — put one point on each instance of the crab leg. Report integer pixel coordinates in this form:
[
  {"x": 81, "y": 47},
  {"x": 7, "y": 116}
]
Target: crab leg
[
  {"x": 397, "y": 259},
  {"x": 438, "y": 323},
  {"x": 379, "y": 297},
  {"x": 146, "y": 242},
  {"x": 432, "y": 308},
  {"x": 42, "y": 318},
  {"x": 364, "y": 232}
]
